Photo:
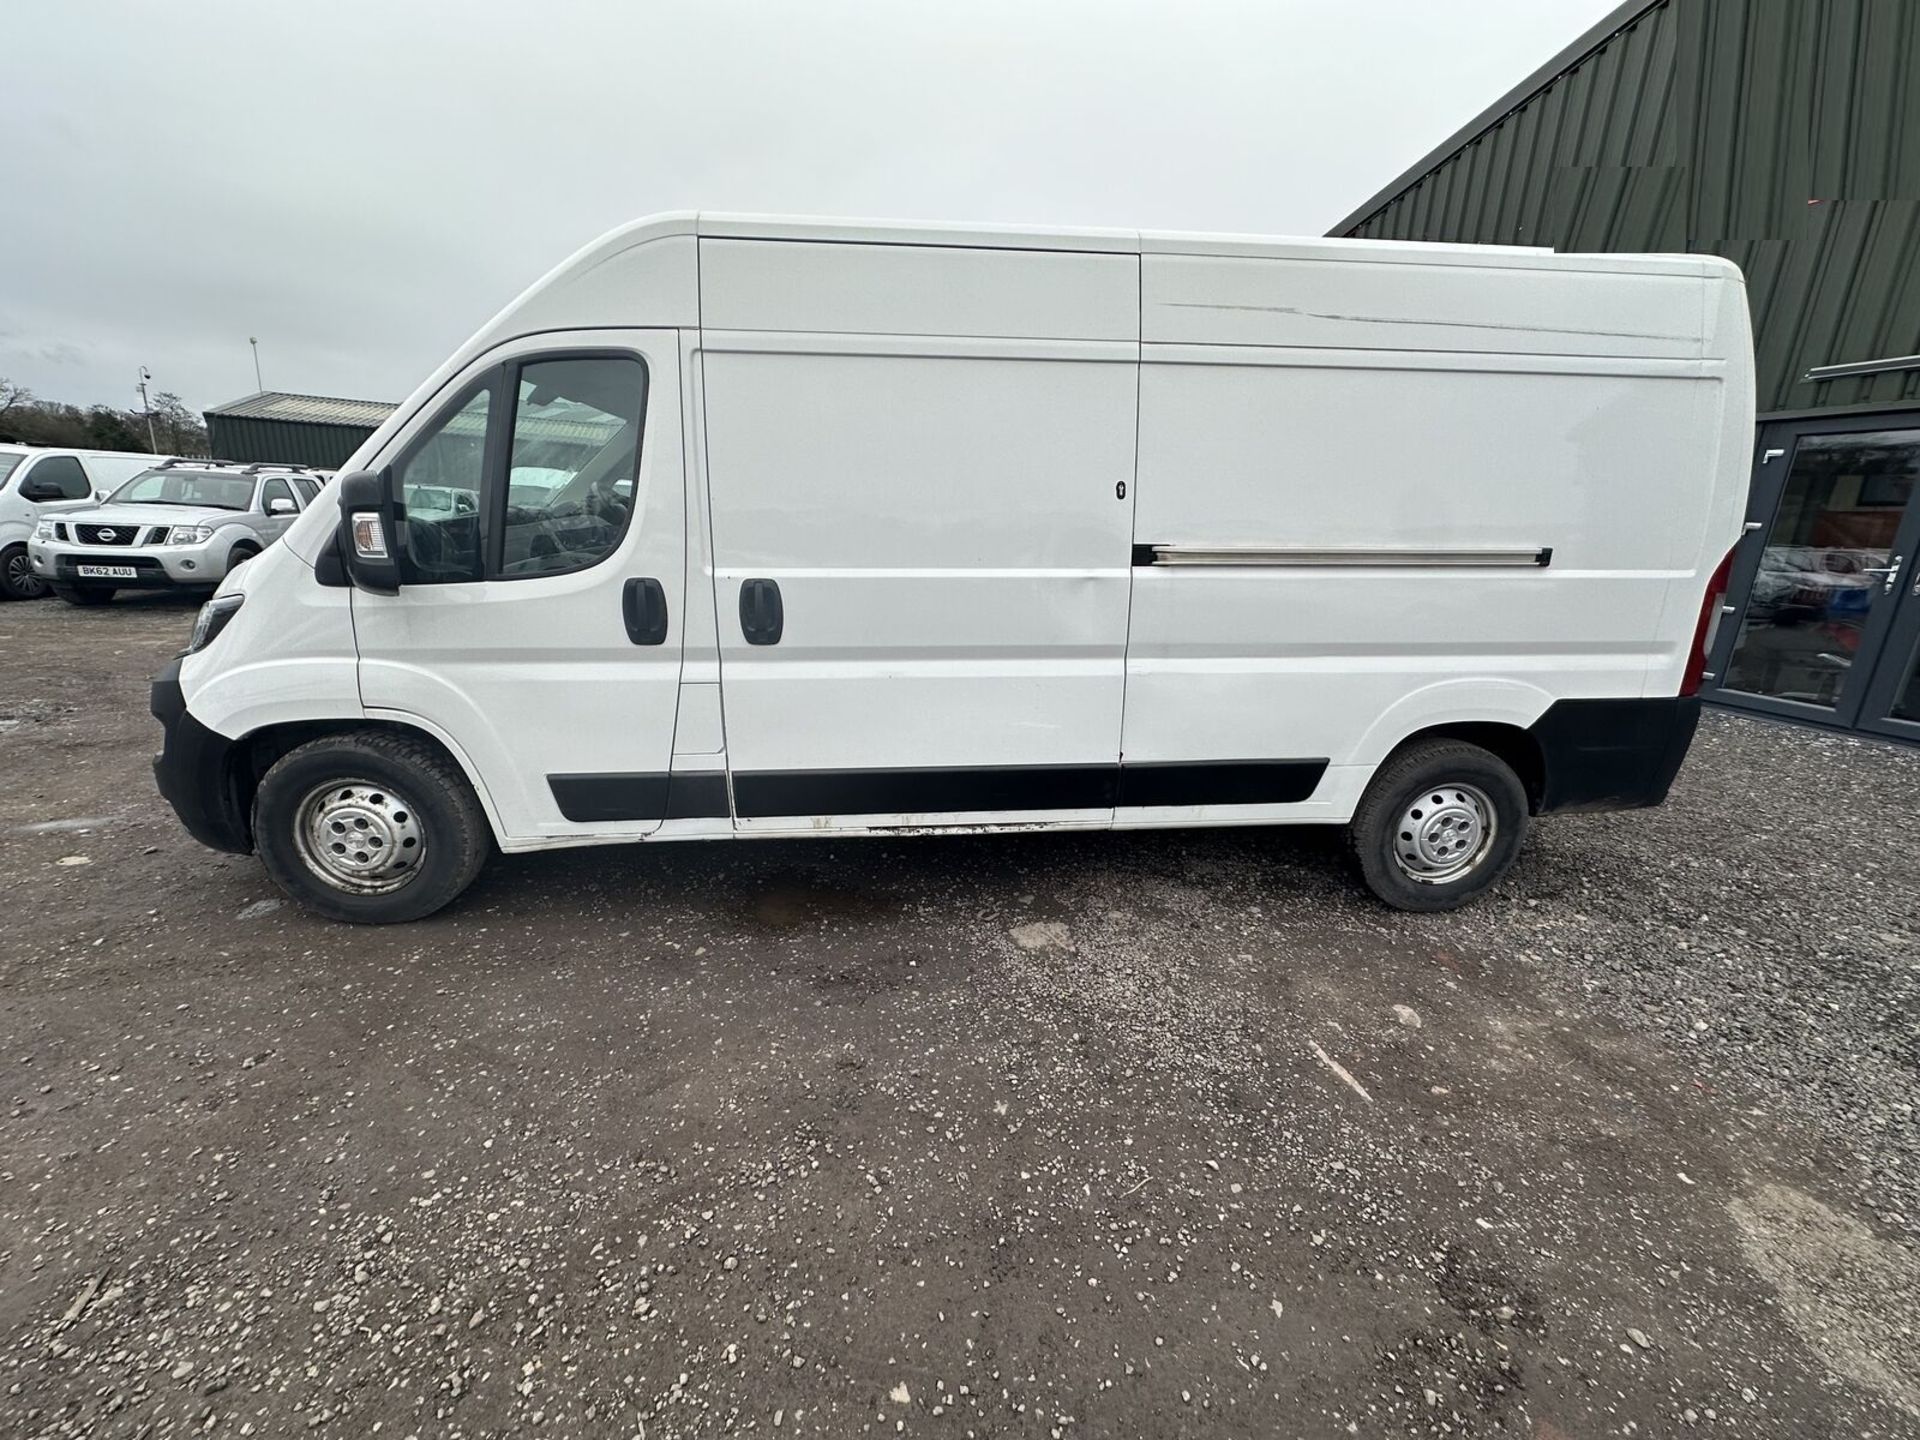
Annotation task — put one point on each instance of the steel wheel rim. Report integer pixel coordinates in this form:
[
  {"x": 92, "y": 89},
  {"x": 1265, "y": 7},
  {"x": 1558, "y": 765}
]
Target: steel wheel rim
[
  {"x": 359, "y": 836},
  {"x": 1444, "y": 833}
]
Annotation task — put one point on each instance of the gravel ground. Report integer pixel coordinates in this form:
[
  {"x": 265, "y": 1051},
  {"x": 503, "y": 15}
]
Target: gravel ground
[{"x": 1150, "y": 1134}]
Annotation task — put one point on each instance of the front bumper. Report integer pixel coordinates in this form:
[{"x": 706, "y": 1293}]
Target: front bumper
[
  {"x": 155, "y": 567},
  {"x": 196, "y": 773}
]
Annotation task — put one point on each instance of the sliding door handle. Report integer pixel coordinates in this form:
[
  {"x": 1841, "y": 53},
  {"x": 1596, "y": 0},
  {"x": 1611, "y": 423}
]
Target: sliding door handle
[
  {"x": 762, "y": 617},
  {"x": 643, "y": 604}
]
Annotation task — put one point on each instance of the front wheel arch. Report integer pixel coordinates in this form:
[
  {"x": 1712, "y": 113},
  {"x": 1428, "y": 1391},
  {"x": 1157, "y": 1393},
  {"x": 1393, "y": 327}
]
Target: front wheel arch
[{"x": 255, "y": 754}]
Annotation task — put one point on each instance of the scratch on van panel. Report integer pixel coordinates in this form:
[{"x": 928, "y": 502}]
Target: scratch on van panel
[
  {"x": 1007, "y": 827},
  {"x": 1411, "y": 320}
]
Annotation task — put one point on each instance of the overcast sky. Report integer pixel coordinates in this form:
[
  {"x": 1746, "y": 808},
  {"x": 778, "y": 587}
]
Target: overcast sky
[{"x": 360, "y": 183}]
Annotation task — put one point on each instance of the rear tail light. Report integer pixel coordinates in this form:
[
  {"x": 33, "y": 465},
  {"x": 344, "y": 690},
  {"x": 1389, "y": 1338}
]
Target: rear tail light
[{"x": 1707, "y": 628}]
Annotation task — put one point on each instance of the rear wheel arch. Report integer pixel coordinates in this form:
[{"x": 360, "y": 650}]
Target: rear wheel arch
[{"x": 1517, "y": 747}]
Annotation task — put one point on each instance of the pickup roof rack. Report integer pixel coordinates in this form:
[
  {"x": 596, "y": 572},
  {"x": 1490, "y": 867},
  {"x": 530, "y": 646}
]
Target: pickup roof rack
[{"x": 187, "y": 462}]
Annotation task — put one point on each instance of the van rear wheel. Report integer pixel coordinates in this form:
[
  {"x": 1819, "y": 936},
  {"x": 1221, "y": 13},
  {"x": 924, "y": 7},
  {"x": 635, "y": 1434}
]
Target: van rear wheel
[
  {"x": 1441, "y": 823},
  {"x": 369, "y": 827}
]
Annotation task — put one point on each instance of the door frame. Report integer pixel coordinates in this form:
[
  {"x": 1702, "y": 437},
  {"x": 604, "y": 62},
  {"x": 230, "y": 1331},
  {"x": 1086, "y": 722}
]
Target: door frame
[
  {"x": 1900, "y": 651},
  {"x": 528, "y": 812},
  {"x": 1775, "y": 441}
]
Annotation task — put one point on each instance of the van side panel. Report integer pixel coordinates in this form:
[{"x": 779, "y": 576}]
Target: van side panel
[
  {"x": 927, "y": 452},
  {"x": 948, "y": 525},
  {"x": 1492, "y": 308},
  {"x": 1584, "y": 477},
  {"x": 918, "y": 290}
]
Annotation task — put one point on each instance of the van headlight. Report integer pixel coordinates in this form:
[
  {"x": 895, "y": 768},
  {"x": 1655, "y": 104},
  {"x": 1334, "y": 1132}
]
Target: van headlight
[
  {"x": 211, "y": 620},
  {"x": 43, "y": 530},
  {"x": 189, "y": 534}
]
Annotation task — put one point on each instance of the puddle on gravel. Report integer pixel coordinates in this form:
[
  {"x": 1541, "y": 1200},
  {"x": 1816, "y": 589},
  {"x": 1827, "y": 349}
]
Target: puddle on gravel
[{"x": 792, "y": 904}]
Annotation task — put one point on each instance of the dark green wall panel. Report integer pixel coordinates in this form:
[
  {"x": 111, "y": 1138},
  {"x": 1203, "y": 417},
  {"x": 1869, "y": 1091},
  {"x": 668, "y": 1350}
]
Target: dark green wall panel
[
  {"x": 249, "y": 438},
  {"x": 1782, "y": 134}
]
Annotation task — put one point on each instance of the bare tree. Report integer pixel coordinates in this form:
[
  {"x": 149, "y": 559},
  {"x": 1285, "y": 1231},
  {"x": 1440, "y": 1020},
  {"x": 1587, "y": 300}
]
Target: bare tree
[
  {"x": 180, "y": 430},
  {"x": 23, "y": 417},
  {"x": 13, "y": 395}
]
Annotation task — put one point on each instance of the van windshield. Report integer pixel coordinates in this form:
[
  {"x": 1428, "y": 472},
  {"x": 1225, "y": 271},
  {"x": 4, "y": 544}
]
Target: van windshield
[
  {"x": 203, "y": 488},
  {"x": 8, "y": 464}
]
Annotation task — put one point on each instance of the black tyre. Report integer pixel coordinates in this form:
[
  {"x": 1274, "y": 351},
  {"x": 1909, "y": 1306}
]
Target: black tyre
[
  {"x": 83, "y": 594},
  {"x": 370, "y": 827},
  {"x": 17, "y": 580},
  {"x": 1441, "y": 822},
  {"x": 240, "y": 554}
]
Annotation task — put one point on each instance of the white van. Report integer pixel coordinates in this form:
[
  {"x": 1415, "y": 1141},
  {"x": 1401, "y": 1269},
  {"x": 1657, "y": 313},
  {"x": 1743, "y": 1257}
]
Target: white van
[
  {"x": 38, "y": 481},
  {"x": 733, "y": 527}
]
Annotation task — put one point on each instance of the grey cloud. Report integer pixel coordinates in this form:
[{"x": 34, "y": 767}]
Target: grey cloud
[{"x": 361, "y": 182}]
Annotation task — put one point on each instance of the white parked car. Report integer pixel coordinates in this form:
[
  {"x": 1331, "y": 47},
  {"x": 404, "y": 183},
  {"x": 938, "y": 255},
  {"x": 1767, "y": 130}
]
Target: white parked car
[
  {"x": 182, "y": 525},
  {"x": 735, "y": 527},
  {"x": 37, "y": 481}
]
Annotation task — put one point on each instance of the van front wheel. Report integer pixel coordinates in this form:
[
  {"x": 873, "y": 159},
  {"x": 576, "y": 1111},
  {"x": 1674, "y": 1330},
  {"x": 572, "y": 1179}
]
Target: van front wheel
[
  {"x": 1441, "y": 822},
  {"x": 369, "y": 827}
]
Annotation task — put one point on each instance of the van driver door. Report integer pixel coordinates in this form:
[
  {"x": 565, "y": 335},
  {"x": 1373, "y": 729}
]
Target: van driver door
[{"x": 539, "y": 623}]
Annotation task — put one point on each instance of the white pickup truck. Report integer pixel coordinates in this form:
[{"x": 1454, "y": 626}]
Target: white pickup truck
[{"x": 181, "y": 525}]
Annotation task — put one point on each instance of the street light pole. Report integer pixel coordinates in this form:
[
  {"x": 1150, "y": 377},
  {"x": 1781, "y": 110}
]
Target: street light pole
[
  {"x": 254, "y": 341},
  {"x": 145, "y": 376}
]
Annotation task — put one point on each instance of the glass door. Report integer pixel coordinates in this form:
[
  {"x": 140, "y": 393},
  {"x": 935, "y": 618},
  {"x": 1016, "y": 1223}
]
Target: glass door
[
  {"x": 1892, "y": 704},
  {"x": 1827, "y": 564}
]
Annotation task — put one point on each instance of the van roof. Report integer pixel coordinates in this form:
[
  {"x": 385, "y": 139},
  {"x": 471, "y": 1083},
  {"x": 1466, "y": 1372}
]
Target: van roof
[
  {"x": 721, "y": 225},
  {"x": 20, "y": 447}
]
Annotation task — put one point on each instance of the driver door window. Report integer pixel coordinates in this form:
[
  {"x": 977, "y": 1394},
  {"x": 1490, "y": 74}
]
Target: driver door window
[
  {"x": 531, "y": 473},
  {"x": 440, "y": 480},
  {"x": 570, "y": 468}
]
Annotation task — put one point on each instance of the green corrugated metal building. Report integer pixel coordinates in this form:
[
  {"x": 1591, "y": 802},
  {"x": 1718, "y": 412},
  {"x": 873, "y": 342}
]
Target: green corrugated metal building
[
  {"x": 1784, "y": 135},
  {"x": 317, "y": 430}
]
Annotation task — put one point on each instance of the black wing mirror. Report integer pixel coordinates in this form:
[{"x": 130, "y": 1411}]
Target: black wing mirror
[
  {"x": 33, "y": 489},
  {"x": 369, "y": 532}
]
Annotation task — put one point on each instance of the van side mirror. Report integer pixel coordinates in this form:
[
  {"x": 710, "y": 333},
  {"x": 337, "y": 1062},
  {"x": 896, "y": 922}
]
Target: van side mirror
[
  {"x": 369, "y": 536},
  {"x": 33, "y": 488}
]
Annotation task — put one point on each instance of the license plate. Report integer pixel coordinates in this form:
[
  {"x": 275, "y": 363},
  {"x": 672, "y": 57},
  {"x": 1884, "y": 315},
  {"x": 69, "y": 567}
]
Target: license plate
[{"x": 106, "y": 572}]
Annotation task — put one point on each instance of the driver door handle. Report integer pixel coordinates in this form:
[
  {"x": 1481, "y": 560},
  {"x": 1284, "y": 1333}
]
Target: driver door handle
[{"x": 643, "y": 605}]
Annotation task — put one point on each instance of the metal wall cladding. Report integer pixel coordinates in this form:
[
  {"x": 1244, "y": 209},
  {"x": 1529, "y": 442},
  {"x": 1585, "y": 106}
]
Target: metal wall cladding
[
  {"x": 324, "y": 447},
  {"x": 1782, "y": 134}
]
